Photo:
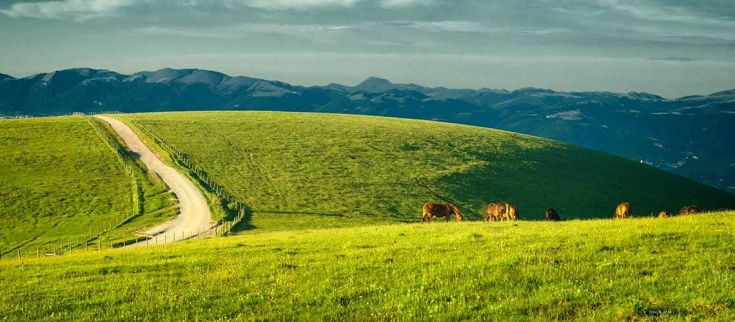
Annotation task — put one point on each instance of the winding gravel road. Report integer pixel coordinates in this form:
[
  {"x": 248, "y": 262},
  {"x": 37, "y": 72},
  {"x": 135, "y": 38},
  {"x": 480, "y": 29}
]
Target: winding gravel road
[{"x": 194, "y": 218}]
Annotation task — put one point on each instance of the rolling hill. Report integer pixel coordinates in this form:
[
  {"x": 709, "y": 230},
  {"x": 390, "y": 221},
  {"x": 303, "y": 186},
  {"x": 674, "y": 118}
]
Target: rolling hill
[
  {"x": 690, "y": 136},
  {"x": 62, "y": 183},
  {"x": 299, "y": 170}
]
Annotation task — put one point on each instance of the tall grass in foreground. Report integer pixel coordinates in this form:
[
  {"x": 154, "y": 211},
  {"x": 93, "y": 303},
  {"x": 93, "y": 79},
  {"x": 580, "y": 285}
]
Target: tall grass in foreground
[{"x": 677, "y": 268}]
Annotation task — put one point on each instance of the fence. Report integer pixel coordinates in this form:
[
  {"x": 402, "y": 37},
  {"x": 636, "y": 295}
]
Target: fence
[
  {"x": 240, "y": 210},
  {"x": 97, "y": 241}
]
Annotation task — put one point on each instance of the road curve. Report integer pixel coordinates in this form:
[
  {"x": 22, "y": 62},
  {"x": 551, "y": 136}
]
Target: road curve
[{"x": 194, "y": 217}]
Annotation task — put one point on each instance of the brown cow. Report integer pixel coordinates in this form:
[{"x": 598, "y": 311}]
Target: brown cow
[
  {"x": 501, "y": 211},
  {"x": 623, "y": 211},
  {"x": 664, "y": 214},
  {"x": 688, "y": 210},
  {"x": 552, "y": 215},
  {"x": 445, "y": 210}
]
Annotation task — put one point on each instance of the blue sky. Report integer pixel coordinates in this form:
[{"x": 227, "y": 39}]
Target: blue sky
[{"x": 668, "y": 47}]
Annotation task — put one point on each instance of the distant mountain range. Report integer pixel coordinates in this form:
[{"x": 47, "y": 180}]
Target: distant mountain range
[{"x": 692, "y": 136}]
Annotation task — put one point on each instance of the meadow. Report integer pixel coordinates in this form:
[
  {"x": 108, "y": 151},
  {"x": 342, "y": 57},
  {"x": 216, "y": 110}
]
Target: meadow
[
  {"x": 62, "y": 184},
  {"x": 681, "y": 268},
  {"x": 306, "y": 170}
]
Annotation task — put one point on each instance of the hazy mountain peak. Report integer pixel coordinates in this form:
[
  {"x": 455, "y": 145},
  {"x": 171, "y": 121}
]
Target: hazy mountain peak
[
  {"x": 186, "y": 76},
  {"x": 70, "y": 76},
  {"x": 645, "y": 95},
  {"x": 375, "y": 84},
  {"x": 723, "y": 93}
]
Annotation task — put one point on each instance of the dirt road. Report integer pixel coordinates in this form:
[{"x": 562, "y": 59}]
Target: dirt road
[{"x": 194, "y": 217}]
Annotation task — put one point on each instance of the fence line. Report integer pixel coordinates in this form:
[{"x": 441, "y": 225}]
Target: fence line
[
  {"x": 226, "y": 199},
  {"x": 59, "y": 248},
  {"x": 98, "y": 242}
]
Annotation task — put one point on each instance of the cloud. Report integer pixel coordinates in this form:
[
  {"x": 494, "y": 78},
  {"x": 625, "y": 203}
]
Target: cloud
[
  {"x": 675, "y": 59},
  {"x": 299, "y": 4},
  {"x": 79, "y": 10},
  {"x": 466, "y": 26},
  {"x": 641, "y": 10},
  {"x": 448, "y": 25},
  {"x": 238, "y": 30},
  {"x": 394, "y": 4}
]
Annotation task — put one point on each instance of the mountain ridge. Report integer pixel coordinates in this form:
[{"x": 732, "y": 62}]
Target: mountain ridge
[{"x": 687, "y": 135}]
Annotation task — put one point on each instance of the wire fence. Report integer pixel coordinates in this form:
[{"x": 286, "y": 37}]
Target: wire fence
[
  {"x": 101, "y": 243},
  {"x": 98, "y": 240},
  {"x": 227, "y": 201}
]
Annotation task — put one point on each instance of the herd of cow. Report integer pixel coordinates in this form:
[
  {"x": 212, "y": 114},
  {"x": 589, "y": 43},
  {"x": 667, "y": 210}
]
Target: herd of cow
[{"x": 505, "y": 211}]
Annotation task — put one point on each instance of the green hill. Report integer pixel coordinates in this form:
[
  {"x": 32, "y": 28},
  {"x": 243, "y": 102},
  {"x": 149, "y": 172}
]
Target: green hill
[
  {"x": 62, "y": 183},
  {"x": 299, "y": 170},
  {"x": 641, "y": 269}
]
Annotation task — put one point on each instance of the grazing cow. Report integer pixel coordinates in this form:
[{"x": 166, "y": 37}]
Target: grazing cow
[
  {"x": 445, "y": 210},
  {"x": 664, "y": 214},
  {"x": 623, "y": 211},
  {"x": 501, "y": 211},
  {"x": 552, "y": 215},
  {"x": 688, "y": 210}
]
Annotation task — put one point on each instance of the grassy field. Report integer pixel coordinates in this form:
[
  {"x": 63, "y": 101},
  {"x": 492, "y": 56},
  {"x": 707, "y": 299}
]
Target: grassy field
[
  {"x": 677, "y": 268},
  {"x": 62, "y": 183},
  {"x": 301, "y": 170}
]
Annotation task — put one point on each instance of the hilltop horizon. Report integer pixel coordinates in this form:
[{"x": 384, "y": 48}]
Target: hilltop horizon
[
  {"x": 368, "y": 80},
  {"x": 688, "y": 136}
]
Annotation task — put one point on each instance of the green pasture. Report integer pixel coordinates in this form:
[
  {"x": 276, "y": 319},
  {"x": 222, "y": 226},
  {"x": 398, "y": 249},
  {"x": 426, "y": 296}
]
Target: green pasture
[
  {"x": 61, "y": 183},
  {"x": 682, "y": 268},
  {"x": 306, "y": 170}
]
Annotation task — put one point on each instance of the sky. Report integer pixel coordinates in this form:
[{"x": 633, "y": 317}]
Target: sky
[{"x": 668, "y": 47}]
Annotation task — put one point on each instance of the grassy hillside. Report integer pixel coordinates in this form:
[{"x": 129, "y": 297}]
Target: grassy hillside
[
  {"x": 61, "y": 183},
  {"x": 681, "y": 268},
  {"x": 299, "y": 170}
]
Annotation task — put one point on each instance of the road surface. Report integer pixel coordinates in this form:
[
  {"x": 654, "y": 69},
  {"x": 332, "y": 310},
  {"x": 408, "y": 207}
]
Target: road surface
[{"x": 194, "y": 217}]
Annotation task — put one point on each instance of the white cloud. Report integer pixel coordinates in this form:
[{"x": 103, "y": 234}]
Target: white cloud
[
  {"x": 392, "y": 4},
  {"x": 299, "y": 4},
  {"x": 675, "y": 14},
  {"x": 310, "y": 4},
  {"x": 67, "y": 9},
  {"x": 235, "y": 31},
  {"x": 448, "y": 25}
]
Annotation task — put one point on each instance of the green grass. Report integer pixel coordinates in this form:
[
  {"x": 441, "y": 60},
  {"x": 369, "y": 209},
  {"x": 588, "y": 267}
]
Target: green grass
[
  {"x": 59, "y": 181},
  {"x": 62, "y": 183},
  {"x": 679, "y": 268},
  {"x": 302, "y": 170},
  {"x": 156, "y": 203}
]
